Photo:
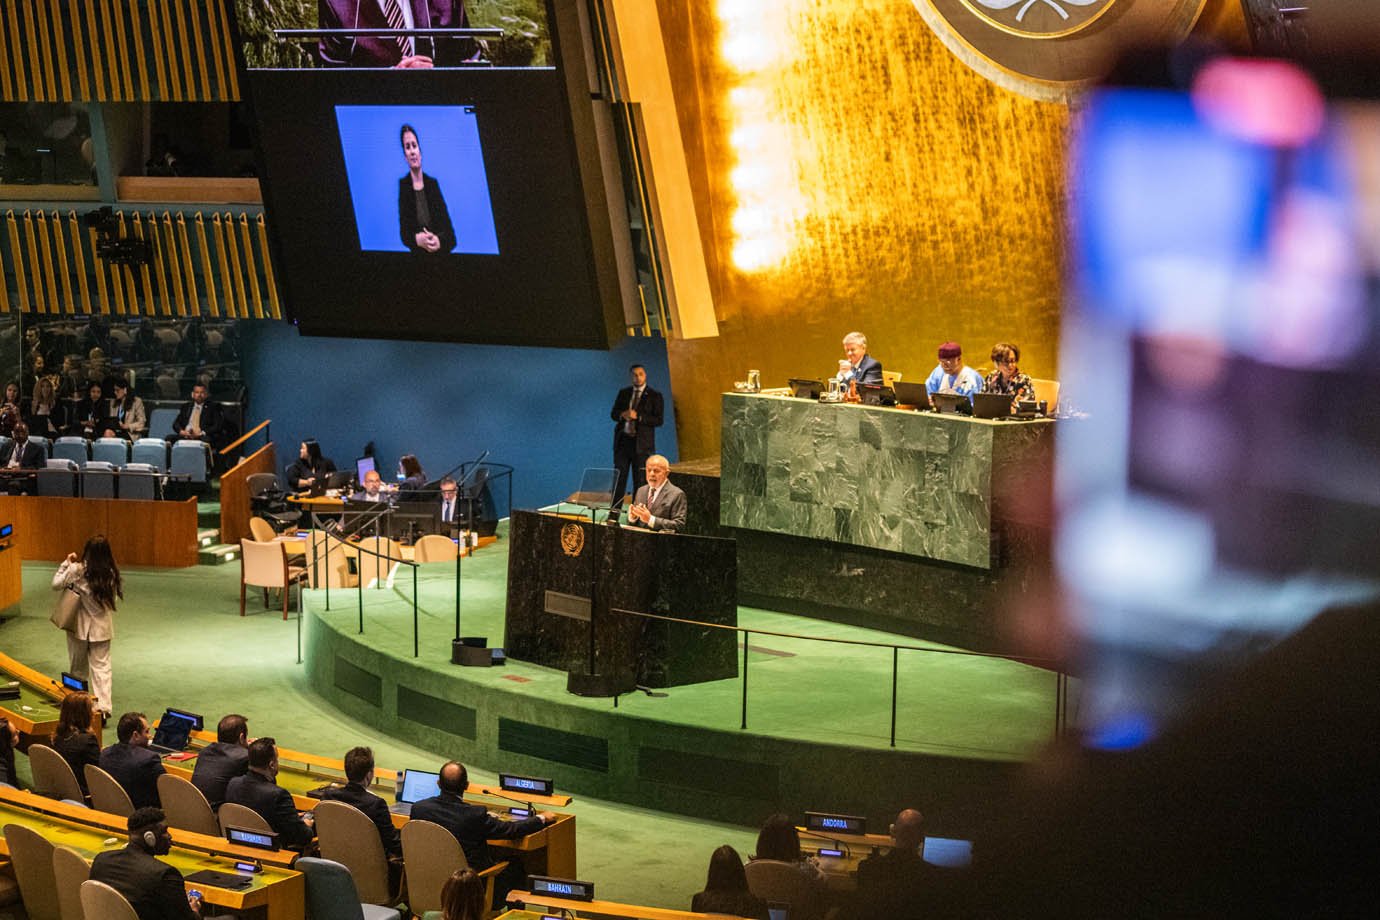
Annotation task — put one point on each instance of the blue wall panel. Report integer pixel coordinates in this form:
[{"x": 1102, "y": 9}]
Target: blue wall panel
[{"x": 544, "y": 411}]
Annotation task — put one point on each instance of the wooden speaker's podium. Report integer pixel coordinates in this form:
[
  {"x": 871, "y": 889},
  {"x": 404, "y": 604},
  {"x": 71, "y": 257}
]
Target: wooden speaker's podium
[{"x": 566, "y": 577}]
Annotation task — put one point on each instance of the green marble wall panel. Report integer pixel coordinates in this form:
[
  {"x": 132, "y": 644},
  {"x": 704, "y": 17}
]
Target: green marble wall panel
[{"x": 914, "y": 483}]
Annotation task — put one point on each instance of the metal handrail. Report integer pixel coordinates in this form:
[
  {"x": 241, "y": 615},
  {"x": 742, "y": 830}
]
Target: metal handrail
[{"x": 1061, "y": 693}]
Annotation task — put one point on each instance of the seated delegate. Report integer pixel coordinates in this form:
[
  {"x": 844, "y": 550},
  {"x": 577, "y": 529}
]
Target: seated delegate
[
  {"x": 857, "y": 365},
  {"x": 951, "y": 375},
  {"x": 127, "y": 419},
  {"x": 309, "y": 467},
  {"x": 1006, "y": 377}
]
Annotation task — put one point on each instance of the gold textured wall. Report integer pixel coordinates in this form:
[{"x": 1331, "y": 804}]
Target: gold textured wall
[{"x": 922, "y": 203}]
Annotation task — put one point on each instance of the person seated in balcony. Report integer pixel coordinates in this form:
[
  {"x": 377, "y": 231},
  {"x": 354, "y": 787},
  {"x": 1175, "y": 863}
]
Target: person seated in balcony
[
  {"x": 91, "y": 415},
  {"x": 200, "y": 419},
  {"x": 10, "y": 413},
  {"x": 46, "y": 415},
  {"x": 128, "y": 419}
]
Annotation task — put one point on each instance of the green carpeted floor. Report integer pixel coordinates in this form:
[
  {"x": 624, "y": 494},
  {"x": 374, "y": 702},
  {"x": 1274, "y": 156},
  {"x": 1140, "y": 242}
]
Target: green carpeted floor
[{"x": 180, "y": 641}]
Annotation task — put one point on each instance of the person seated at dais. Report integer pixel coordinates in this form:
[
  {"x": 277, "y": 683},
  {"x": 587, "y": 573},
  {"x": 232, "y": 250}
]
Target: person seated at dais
[
  {"x": 156, "y": 890},
  {"x": 857, "y": 365},
  {"x": 952, "y": 375},
  {"x": 414, "y": 479},
  {"x": 309, "y": 467},
  {"x": 1006, "y": 376},
  {"x": 373, "y": 489},
  {"x": 224, "y": 759}
]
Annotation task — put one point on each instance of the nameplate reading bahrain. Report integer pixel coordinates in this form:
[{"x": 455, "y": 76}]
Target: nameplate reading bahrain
[{"x": 572, "y": 539}]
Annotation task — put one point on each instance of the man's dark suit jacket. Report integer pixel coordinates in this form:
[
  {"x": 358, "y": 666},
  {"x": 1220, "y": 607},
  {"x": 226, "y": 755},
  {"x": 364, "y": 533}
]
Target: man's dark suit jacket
[
  {"x": 212, "y": 421},
  {"x": 669, "y": 510},
  {"x": 472, "y": 825},
  {"x": 869, "y": 370},
  {"x": 898, "y": 884},
  {"x": 373, "y": 806},
  {"x": 136, "y": 769},
  {"x": 152, "y": 887},
  {"x": 438, "y": 223},
  {"x": 216, "y": 765},
  {"x": 383, "y": 51},
  {"x": 273, "y": 803},
  {"x": 649, "y": 409},
  {"x": 31, "y": 459}
]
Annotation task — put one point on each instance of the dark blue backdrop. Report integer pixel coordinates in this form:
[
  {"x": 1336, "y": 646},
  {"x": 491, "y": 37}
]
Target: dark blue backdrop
[{"x": 545, "y": 411}]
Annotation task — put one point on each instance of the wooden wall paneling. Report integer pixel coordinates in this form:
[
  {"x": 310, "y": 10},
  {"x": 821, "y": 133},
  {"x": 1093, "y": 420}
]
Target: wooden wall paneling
[
  {"x": 152, "y": 533},
  {"x": 234, "y": 493}
]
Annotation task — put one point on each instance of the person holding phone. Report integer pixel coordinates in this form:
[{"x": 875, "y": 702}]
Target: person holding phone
[
  {"x": 423, "y": 221},
  {"x": 152, "y": 887}
]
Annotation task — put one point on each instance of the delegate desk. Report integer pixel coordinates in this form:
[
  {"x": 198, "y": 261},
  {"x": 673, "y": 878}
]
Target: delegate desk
[
  {"x": 568, "y": 907},
  {"x": 553, "y": 563},
  {"x": 549, "y": 851},
  {"x": 35, "y": 713},
  {"x": 915, "y": 483},
  {"x": 277, "y": 893}
]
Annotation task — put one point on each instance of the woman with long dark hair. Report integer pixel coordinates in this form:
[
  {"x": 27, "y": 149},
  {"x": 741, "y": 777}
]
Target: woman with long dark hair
[
  {"x": 779, "y": 841},
  {"x": 95, "y": 578},
  {"x": 462, "y": 897},
  {"x": 310, "y": 467},
  {"x": 726, "y": 888},
  {"x": 73, "y": 737},
  {"x": 414, "y": 479}
]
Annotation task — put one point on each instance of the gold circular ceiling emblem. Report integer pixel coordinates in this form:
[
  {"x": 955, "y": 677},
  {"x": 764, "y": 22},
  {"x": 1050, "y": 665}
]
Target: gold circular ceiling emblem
[
  {"x": 572, "y": 539},
  {"x": 1051, "y": 49}
]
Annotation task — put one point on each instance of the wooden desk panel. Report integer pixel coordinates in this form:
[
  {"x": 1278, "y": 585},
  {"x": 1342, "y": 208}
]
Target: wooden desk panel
[
  {"x": 11, "y": 573},
  {"x": 234, "y": 492},
  {"x": 154, "y": 533}
]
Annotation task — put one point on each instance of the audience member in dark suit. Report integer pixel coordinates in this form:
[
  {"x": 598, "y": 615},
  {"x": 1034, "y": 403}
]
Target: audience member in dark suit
[
  {"x": 474, "y": 827},
  {"x": 258, "y": 790},
  {"x": 92, "y": 414},
  {"x": 899, "y": 883},
  {"x": 384, "y": 50},
  {"x": 726, "y": 888},
  {"x": 858, "y": 365},
  {"x": 130, "y": 761},
  {"x": 637, "y": 411},
  {"x": 21, "y": 453},
  {"x": 658, "y": 505},
  {"x": 200, "y": 419},
  {"x": 73, "y": 738},
  {"x": 359, "y": 776},
  {"x": 309, "y": 467},
  {"x": 152, "y": 887},
  {"x": 222, "y": 761}
]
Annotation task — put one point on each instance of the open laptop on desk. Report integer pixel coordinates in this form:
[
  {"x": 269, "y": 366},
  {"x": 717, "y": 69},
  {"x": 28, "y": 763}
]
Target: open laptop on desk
[
  {"x": 414, "y": 786},
  {"x": 949, "y": 403},
  {"x": 806, "y": 388},
  {"x": 991, "y": 405},
  {"x": 174, "y": 732},
  {"x": 911, "y": 394}
]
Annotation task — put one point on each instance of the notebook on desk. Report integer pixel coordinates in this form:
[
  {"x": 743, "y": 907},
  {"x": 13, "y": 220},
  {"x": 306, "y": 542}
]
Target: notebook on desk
[{"x": 414, "y": 786}]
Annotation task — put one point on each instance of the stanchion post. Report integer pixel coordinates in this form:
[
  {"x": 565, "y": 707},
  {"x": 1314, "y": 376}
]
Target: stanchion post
[
  {"x": 299, "y": 622},
  {"x": 747, "y": 640},
  {"x": 459, "y": 554},
  {"x": 415, "y": 651},
  {"x": 895, "y": 657},
  {"x": 359, "y": 586}
]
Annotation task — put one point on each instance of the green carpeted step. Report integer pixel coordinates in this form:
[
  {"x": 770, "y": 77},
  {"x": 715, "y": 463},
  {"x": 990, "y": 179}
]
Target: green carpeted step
[
  {"x": 207, "y": 536},
  {"x": 218, "y": 554}
]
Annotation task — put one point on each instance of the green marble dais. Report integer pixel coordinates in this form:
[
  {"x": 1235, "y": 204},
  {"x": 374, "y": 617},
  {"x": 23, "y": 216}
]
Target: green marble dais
[{"x": 905, "y": 482}]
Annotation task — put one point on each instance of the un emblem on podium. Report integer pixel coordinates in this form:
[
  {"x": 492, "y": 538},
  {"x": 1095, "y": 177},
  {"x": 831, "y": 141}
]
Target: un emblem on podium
[
  {"x": 1052, "y": 49},
  {"x": 572, "y": 539}
]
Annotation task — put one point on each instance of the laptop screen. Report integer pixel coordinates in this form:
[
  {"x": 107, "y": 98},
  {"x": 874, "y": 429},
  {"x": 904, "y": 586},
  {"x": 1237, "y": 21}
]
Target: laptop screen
[
  {"x": 948, "y": 852},
  {"x": 174, "y": 729},
  {"x": 418, "y": 785}
]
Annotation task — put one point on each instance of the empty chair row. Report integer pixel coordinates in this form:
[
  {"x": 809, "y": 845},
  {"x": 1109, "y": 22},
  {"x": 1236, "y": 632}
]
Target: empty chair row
[
  {"x": 98, "y": 479},
  {"x": 186, "y": 457}
]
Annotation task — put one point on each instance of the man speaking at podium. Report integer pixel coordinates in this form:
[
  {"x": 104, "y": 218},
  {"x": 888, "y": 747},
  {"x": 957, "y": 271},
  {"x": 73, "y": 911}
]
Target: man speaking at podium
[{"x": 659, "y": 505}]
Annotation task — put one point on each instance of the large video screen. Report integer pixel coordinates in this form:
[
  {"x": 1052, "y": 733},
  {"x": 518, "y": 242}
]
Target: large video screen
[{"x": 436, "y": 204}]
